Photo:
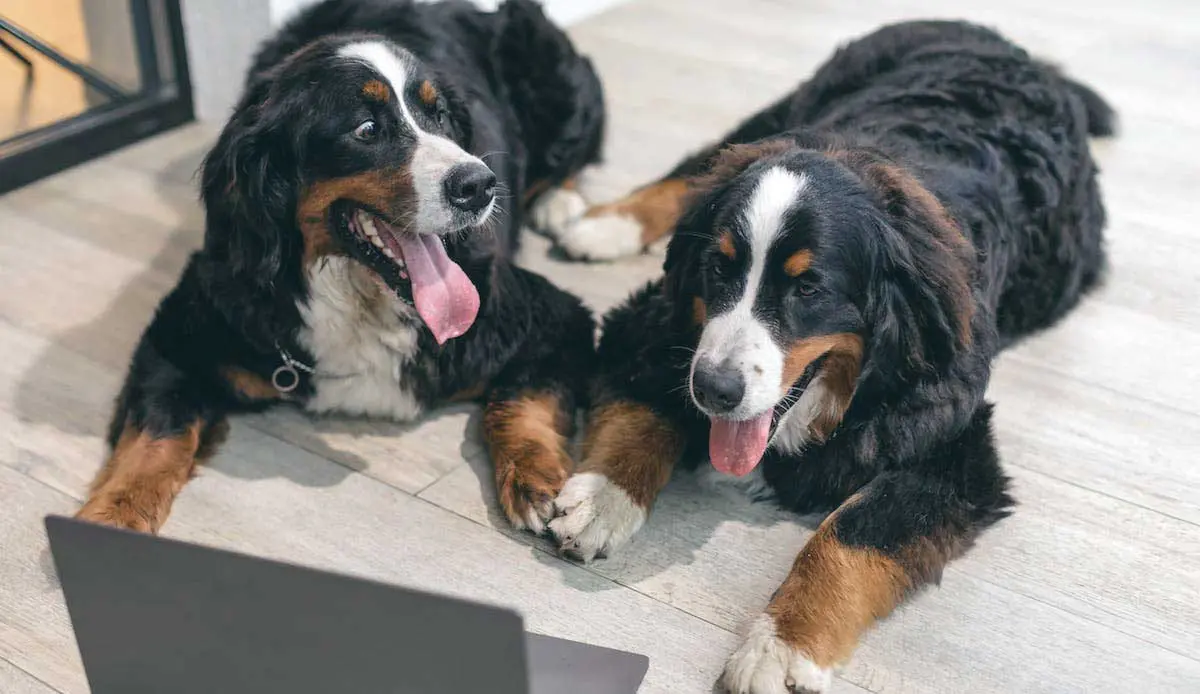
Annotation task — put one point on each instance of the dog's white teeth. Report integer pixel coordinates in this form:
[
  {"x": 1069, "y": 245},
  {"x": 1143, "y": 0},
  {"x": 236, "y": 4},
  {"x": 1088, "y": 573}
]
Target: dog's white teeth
[
  {"x": 388, "y": 252},
  {"x": 377, "y": 241},
  {"x": 368, "y": 226}
]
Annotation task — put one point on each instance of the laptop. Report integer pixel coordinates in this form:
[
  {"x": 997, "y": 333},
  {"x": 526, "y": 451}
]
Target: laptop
[{"x": 158, "y": 615}]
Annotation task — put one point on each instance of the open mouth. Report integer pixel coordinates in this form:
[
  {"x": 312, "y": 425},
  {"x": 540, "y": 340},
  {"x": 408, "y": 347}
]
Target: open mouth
[
  {"x": 736, "y": 447},
  {"x": 416, "y": 264}
]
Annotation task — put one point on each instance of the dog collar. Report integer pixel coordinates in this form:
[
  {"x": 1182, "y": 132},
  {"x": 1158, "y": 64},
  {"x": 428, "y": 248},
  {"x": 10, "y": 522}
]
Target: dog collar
[{"x": 286, "y": 378}]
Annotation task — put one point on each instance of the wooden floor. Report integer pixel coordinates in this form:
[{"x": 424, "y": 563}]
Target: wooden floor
[{"x": 1092, "y": 586}]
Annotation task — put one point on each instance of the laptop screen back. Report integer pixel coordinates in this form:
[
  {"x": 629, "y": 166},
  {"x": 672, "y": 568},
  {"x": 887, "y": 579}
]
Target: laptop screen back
[{"x": 154, "y": 615}]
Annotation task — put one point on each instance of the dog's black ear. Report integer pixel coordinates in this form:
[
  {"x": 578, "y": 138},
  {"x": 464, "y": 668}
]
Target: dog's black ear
[
  {"x": 920, "y": 301},
  {"x": 249, "y": 189},
  {"x": 681, "y": 267}
]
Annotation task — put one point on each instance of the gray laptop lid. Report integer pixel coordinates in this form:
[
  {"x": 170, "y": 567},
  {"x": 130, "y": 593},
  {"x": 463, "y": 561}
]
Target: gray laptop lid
[{"x": 153, "y": 615}]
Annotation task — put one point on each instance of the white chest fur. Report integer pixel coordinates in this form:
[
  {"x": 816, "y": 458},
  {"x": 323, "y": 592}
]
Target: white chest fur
[{"x": 360, "y": 337}]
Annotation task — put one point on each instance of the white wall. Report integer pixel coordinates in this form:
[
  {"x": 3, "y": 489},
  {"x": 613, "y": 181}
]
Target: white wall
[{"x": 222, "y": 36}]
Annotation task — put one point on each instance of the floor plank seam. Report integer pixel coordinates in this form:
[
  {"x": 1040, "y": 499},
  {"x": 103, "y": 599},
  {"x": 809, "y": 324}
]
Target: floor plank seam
[
  {"x": 440, "y": 477},
  {"x": 1065, "y": 610},
  {"x": 1082, "y": 487},
  {"x": 1018, "y": 357},
  {"x": 29, "y": 674}
]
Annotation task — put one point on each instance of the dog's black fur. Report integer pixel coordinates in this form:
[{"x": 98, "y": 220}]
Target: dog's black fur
[
  {"x": 933, "y": 287},
  {"x": 509, "y": 88}
]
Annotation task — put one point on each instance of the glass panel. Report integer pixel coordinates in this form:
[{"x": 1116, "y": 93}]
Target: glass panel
[{"x": 60, "y": 58}]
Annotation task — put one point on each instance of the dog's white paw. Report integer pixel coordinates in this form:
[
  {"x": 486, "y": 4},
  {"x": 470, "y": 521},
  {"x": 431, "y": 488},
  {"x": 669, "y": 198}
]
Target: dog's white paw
[
  {"x": 598, "y": 516},
  {"x": 555, "y": 210},
  {"x": 764, "y": 664},
  {"x": 606, "y": 237}
]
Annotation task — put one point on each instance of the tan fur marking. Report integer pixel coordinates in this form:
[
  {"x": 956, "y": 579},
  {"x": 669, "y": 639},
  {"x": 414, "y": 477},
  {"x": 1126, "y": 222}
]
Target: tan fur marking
[
  {"x": 839, "y": 374},
  {"x": 540, "y": 186},
  {"x": 248, "y": 385},
  {"x": 377, "y": 91},
  {"x": 526, "y": 439},
  {"x": 633, "y": 447},
  {"x": 726, "y": 246},
  {"x": 141, "y": 479},
  {"x": 470, "y": 393},
  {"x": 699, "y": 311},
  {"x": 656, "y": 208},
  {"x": 803, "y": 352},
  {"x": 798, "y": 263},
  {"x": 427, "y": 93},
  {"x": 833, "y": 594},
  {"x": 387, "y": 191}
]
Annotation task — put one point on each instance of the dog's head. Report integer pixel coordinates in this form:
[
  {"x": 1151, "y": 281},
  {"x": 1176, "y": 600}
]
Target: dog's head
[
  {"x": 806, "y": 272},
  {"x": 351, "y": 146}
]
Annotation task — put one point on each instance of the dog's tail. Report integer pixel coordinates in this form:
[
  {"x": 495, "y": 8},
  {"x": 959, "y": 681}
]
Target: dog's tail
[{"x": 1101, "y": 118}]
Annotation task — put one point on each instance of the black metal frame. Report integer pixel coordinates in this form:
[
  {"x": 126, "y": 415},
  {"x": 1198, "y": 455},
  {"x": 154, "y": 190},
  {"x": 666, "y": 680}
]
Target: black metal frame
[{"x": 156, "y": 107}]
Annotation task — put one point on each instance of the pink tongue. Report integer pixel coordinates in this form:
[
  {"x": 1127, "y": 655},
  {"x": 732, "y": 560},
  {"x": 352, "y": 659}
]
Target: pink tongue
[
  {"x": 736, "y": 447},
  {"x": 444, "y": 295}
]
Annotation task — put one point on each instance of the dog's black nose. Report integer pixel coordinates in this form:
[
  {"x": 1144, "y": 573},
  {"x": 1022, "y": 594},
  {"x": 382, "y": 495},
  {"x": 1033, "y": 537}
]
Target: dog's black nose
[
  {"x": 470, "y": 187},
  {"x": 718, "y": 389}
]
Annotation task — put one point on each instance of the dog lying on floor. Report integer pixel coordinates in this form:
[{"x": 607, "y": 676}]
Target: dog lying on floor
[
  {"x": 844, "y": 267},
  {"x": 363, "y": 204}
]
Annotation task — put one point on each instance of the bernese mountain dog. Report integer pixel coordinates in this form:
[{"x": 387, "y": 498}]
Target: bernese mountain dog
[
  {"x": 844, "y": 267},
  {"x": 363, "y": 204}
]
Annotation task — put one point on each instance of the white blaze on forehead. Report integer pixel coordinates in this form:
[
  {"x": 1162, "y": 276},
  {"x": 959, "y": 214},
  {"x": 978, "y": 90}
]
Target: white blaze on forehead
[
  {"x": 390, "y": 66},
  {"x": 737, "y": 336},
  {"x": 434, "y": 154}
]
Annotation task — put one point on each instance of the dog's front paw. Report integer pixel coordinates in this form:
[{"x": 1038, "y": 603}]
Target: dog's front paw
[
  {"x": 598, "y": 516},
  {"x": 602, "y": 237},
  {"x": 766, "y": 664},
  {"x": 527, "y": 490},
  {"x": 555, "y": 210}
]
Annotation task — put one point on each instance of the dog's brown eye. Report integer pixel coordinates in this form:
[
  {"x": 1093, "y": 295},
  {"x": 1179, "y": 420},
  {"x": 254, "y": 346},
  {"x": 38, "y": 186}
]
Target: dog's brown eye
[
  {"x": 365, "y": 131},
  {"x": 806, "y": 289}
]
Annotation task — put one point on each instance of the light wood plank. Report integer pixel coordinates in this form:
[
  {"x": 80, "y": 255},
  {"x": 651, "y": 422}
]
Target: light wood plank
[
  {"x": 1095, "y": 438},
  {"x": 16, "y": 681},
  {"x": 34, "y": 628}
]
